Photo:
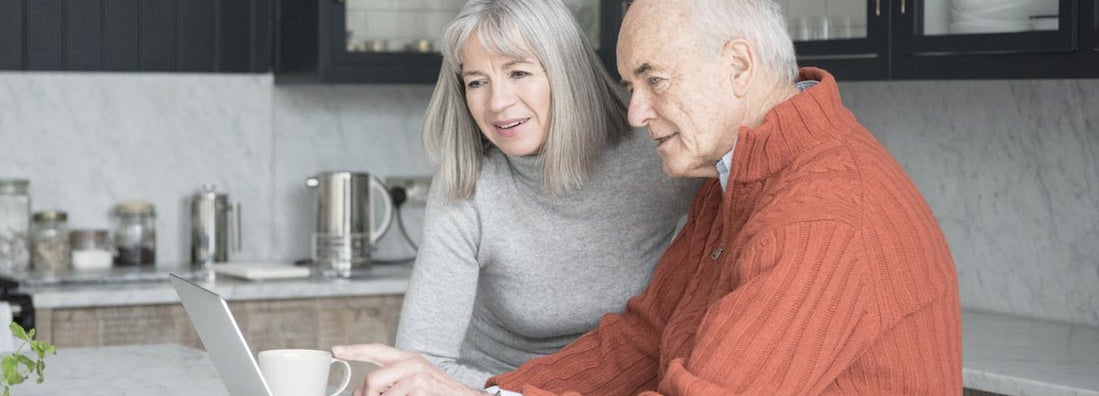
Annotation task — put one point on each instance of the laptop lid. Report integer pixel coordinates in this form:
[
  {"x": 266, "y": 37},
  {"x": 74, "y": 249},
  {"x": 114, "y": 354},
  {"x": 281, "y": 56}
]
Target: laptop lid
[{"x": 222, "y": 338}]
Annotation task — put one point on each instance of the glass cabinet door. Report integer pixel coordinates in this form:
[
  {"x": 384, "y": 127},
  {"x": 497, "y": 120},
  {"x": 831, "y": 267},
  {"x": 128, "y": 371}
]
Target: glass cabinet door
[
  {"x": 849, "y": 38},
  {"x": 399, "y": 39},
  {"x": 985, "y": 26}
]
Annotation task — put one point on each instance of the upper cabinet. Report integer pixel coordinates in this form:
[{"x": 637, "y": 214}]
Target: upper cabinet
[
  {"x": 1089, "y": 25},
  {"x": 849, "y": 38},
  {"x": 946, "y": 39},
  {"x": 389, "y": 41},
  {"x": 136, "y": 35}
]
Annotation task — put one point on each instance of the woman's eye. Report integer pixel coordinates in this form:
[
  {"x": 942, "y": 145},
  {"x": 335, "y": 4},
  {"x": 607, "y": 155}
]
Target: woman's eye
[
  {"x": 475, "y": 84},
  {"x": 519, "y": 74}
]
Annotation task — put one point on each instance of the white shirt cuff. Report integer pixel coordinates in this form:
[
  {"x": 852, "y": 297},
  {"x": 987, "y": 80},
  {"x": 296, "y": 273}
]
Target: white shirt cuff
[{"x": 500, "y": 392}]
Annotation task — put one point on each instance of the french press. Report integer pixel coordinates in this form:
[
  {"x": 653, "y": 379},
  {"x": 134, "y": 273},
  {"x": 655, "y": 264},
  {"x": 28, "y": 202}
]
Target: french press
[{"x": 213, "y": 219}]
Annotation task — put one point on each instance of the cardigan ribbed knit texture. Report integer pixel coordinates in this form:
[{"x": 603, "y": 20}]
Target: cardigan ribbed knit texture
[{"x": 820, "y": 270}]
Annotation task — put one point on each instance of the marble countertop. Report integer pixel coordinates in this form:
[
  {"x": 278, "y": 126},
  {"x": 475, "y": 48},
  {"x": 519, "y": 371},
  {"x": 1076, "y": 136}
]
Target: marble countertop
[
  {"x": 137, "y": 370},
  {"x": 1020, "y": 356},
  {"x": 1002, "y": 354},
  {"x": 378, "y": 280},
  {"x": 133, "y": 370}
]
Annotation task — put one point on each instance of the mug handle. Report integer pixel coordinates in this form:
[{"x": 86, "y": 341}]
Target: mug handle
[{"x": 346, "y": 376}]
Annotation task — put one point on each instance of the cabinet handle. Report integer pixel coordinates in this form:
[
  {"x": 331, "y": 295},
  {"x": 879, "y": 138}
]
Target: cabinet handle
[
  {"x": 877, "y": 7},
  {"x": 903, "y": 7}
]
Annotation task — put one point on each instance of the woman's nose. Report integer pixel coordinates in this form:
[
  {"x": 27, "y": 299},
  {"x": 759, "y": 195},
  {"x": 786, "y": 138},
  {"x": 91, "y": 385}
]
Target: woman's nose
[{"x": 503, "y": 96}]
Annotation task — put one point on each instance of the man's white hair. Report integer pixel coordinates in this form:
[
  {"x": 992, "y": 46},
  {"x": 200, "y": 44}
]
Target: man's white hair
[{"x": 760, "y": 22}]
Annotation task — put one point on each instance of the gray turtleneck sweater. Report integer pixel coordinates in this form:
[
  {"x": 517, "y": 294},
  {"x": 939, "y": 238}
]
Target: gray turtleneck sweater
[{"x": 515, "y": 273}]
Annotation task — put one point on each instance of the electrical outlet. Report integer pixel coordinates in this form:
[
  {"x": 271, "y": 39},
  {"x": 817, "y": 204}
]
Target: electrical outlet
[{"x": 416, "y": 188}]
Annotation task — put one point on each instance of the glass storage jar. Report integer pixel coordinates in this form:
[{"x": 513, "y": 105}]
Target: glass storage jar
[
  {"x": 50, "y": 241},
  {"x": 134, "y": 234},
  {"x": 15, "y": 207},
  {"x": 91, "y": 249}
]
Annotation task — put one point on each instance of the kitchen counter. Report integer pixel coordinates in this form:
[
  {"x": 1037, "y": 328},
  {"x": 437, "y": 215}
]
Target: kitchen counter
[
  {"x": 378, "y": 280},
  {"x": 1019, "y": 356},
  {"x": 164, "y": 369},
  {"x": 137, "y": 370}
]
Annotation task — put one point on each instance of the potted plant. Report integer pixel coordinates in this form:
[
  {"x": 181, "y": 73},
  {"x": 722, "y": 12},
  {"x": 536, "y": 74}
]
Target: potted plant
[{"x": 17, "y": 367}]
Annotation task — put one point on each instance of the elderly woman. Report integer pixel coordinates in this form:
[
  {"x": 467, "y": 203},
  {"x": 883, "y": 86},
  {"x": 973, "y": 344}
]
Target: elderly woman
[{"x": 546, "y": 211}]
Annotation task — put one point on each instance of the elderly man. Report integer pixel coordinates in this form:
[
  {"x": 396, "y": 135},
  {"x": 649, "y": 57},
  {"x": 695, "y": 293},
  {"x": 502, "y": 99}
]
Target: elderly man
[{"x": 810, "y": 264}]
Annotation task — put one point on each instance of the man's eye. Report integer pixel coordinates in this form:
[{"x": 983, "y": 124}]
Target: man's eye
[
  {"x": 653, "y": 81},
  {"x": 519, "y": 74}
]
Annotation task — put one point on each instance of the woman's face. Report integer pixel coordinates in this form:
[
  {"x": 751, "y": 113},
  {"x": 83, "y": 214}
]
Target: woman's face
[{"x": 508, "y": 97}]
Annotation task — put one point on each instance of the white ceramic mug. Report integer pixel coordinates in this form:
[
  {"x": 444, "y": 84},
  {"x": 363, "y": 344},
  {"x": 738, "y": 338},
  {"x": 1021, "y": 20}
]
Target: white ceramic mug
[{"x": 300, "y": 372}]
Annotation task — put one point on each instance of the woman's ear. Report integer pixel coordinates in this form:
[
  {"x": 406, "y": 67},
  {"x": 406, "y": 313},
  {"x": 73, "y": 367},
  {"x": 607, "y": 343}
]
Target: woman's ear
[{"x": 740, "y": 58}]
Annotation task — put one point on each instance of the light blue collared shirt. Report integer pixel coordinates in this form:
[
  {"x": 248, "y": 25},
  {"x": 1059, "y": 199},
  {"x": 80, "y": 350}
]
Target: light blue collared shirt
[{"x": 726, "y": 164}]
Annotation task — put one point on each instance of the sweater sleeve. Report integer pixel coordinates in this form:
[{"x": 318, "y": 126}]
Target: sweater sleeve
[
  {"x": 622, "y": 343},
  {"x": 801, "y": 313},
  {"x": 439, "y": 303}
]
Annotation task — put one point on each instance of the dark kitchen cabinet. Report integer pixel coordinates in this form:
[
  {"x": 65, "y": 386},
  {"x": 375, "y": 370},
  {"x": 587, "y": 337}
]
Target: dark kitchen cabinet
[
  {"x": 1089, "y": 25},
  {"x": 378, "y": 41},
  {"x": 946, "y": 39},
  {"x": 849, "y": 38},
  {"x": 136, "y": 35}
]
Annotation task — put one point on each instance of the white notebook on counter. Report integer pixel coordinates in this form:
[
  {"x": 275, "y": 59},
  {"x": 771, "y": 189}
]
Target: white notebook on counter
[{"x": 261, "y": 271}]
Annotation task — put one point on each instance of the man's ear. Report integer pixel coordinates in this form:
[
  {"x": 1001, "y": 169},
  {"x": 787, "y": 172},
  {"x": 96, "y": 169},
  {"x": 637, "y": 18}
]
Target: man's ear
[{"x": 740, "y": 57}]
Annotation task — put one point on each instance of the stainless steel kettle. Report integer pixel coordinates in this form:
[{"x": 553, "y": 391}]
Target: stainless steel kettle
[
  {"x": 345, "y": 230},
  {"x": 213, "y": 220}
]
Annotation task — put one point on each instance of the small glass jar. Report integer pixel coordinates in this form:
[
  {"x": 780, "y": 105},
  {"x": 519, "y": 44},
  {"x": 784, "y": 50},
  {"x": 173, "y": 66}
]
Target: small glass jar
[
  {"x": 91, "y": 249},
  {"x": 50, "y": 241},
  {"x": 134, "y": 234},
  {"x": 15, "y": 208}
]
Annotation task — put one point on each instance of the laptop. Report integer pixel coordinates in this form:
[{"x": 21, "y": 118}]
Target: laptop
[{"x": 222, "y": 338}]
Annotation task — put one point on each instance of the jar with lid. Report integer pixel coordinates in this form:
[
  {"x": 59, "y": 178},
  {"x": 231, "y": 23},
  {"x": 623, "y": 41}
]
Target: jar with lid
[
  {"x": 15, "y": 207},
  {"x": 50, "y": 241},
  {"x": 134, "y": 234},
  {"x": 91, "y": 249}
]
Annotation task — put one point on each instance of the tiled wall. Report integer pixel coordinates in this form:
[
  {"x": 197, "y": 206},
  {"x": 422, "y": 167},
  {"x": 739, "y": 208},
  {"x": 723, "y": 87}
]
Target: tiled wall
[{"x": 1011, "y": 169}]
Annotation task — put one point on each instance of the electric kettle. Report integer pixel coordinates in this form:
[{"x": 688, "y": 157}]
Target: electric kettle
[{"x": 345, "y": 229}]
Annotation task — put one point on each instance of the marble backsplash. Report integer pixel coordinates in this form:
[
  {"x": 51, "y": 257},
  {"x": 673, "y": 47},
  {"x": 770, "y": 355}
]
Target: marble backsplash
[
  {"x": 89, "y": 140},
  {"x": 1011, "y": 168}
]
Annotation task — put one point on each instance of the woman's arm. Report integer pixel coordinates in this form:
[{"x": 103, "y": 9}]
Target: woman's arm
[{"x": 439, "y": 302}]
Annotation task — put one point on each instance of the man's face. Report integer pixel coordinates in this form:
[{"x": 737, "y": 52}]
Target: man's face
[{"x": 680, "y": 90}]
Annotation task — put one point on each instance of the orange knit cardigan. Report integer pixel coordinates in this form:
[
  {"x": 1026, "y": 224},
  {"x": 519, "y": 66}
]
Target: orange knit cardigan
[{"x": 821, "y": 270}]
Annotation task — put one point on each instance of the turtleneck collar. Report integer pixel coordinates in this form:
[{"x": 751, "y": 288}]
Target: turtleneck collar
[
  {"x": 528, "y": 167},
  {"x": 789, "y": 129}
]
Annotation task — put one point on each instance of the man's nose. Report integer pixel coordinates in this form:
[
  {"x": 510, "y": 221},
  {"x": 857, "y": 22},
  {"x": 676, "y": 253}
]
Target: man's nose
[
  {"x": 503, "y": 96},
  {"x": 640, "y": 112}
]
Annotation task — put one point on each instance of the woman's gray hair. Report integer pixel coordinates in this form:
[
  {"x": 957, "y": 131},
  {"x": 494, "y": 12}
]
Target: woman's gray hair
[
  {"x": 587, "y": 109},
  {"x": 759, "y": 21}
]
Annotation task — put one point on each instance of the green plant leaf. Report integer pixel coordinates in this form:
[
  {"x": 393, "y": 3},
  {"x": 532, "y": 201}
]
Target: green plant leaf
[
  {"x": 26, "y": 361},
  {"x": 7, "y": 390},
  {"x": 41, "y": 370},
  {"x": 10, "y": 366},
  {"x": 38, "y": 348},
  {"x": 30, "y": 334},
  {"x": 18, "y": 331}
]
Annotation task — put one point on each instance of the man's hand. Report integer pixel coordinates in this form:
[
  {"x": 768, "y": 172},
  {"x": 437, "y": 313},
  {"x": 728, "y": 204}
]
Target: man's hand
[{"x": 401, "y": 373}]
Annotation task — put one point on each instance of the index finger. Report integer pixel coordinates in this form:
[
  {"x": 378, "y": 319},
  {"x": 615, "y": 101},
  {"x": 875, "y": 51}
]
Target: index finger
[{"x": 371, "y": 353}]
